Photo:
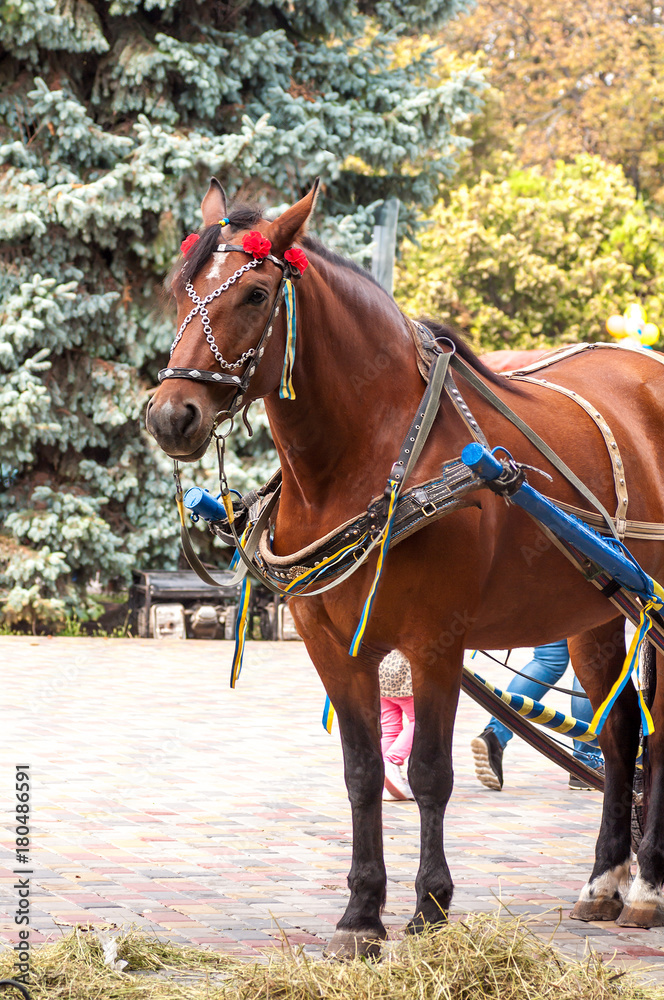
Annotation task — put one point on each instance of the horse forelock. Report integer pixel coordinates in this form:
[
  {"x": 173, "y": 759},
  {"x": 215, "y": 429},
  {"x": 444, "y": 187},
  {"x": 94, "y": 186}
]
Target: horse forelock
[{"x": 242, "y": 217}]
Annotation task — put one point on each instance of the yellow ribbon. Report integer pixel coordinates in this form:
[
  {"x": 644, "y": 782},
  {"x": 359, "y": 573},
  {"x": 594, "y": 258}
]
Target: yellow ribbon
[
  {"x": 328, "y": 715},
  {"x": 240, "y": 630},
  {"x": 630, "y": 664},
  {"x": 384, "y": 545},
  {"x": 286, "y": 390}
]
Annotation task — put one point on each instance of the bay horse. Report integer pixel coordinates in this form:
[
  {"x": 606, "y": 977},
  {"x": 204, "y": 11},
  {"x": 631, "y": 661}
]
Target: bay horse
[{"x": 478, "y": 578}]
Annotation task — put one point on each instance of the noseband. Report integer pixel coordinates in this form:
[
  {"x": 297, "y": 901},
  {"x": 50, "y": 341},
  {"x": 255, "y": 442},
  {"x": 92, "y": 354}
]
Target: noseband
[{"x": 289, "y": 272}]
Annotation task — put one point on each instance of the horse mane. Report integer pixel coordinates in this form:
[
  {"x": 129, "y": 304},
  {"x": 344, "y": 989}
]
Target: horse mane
[
  {"x": 467, "y": 354},
  {"x": 245, "y": 216},
  {"x": 315, "y": 246}
]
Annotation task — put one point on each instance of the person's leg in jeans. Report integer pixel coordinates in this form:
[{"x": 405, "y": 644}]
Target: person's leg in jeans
[
  {"x": 589, "y": 753},
  {"x": 548, "y": 665}
]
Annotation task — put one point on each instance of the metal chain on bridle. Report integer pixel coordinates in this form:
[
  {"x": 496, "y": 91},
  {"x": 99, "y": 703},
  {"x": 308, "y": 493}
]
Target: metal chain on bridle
[
  {"x": 200, "y": 308},
  {"x": 250, "y": 357}
]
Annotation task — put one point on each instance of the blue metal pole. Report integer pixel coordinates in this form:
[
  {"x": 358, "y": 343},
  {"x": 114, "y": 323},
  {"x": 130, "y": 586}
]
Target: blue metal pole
[{"x": 602, "y": 551}]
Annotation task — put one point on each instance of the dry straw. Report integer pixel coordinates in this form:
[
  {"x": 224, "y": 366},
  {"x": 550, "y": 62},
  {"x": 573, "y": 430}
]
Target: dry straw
[{"x": 480, "y": 958}]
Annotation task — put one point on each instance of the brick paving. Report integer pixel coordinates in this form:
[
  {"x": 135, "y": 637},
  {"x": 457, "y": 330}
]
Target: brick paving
[{"x": 163, "y": 800}]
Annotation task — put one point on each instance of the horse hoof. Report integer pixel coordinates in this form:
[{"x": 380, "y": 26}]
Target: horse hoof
[
  {"x": 346, "y": 945},
  {"x": 602, "y": 908},
  {"x": 419, "y": 924},
  {"x": 644, "y": 915}
]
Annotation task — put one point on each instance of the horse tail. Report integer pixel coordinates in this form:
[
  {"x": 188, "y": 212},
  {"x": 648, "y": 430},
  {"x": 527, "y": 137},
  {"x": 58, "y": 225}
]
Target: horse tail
[{"x": 643, "y": 774}]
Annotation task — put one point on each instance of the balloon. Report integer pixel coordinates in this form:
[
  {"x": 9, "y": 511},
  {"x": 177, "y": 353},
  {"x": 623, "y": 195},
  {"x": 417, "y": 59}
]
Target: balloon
[
  {"x": 632, "y": 327},
  {"x": 636, "y": 312},
  {"x": 649, "y": 335},
  {"x": 615, "y": 325}
]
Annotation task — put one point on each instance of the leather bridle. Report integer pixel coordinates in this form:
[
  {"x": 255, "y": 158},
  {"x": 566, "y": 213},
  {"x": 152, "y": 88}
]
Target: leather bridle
[{"x": 253, "y": 356}]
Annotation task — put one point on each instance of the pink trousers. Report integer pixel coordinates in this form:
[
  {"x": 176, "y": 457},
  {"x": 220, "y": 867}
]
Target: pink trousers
[{"x": 397, "y": 737}]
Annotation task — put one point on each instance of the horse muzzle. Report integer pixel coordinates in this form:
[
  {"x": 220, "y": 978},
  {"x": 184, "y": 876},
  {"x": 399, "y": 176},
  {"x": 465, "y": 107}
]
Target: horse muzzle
[{"x": 179, "y": 427}]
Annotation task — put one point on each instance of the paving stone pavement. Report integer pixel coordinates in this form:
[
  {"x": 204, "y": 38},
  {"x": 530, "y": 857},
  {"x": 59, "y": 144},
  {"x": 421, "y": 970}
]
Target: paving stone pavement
[{"x": 165, "y": 800}]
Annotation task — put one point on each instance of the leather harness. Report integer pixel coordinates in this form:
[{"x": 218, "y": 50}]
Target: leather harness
[
  {"x": 352, "y": 541},
  {"x": 342, "y": 551}
]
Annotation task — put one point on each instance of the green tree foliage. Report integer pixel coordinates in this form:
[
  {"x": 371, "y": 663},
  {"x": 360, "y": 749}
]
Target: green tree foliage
[
  {"x": 570, "y": 78},
  {"x": 113, "y": 113},
  {"x": 528, "y": 260}
]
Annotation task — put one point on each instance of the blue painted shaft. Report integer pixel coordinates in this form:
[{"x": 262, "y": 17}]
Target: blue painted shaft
[
  {"x": 601, "y": 550},
  {"x": 201, "y": 502},
  {"x": 543, "y": 715}
]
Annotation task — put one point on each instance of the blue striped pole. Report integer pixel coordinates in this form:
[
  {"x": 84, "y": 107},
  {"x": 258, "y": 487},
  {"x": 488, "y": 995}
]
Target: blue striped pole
[{"x": 543, "y": 715}]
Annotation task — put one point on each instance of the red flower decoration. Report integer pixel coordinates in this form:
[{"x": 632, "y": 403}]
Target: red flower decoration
[
  {"x": 256, "y": 244},
  {"x": 297, "y": 258},
  {"x": 187, "y": 244}
]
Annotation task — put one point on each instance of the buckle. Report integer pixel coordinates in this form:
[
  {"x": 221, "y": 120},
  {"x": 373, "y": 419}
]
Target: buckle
[{"x": 431, "y": 509}]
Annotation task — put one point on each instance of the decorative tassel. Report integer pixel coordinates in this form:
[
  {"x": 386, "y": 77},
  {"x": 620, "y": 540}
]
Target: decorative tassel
[
  {"x": 286, "y": 390},
  {"x": 384, "y": 545},
  {"x": 328, "y": 715},
  {"x": 240, "y": 630},
  {"x": 630, "y": 664}
]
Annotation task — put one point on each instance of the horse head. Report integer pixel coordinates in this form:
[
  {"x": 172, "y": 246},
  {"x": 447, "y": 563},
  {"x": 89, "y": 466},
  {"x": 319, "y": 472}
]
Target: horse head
[{"x": 231, "y": 333}]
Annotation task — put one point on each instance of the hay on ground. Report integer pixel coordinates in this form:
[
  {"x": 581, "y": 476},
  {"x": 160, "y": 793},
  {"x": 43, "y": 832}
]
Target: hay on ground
[{"x": 484, "y": 957}]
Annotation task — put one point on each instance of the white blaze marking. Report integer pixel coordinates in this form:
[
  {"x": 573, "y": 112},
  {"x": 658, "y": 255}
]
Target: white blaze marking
[
  {"x": 167, "y": 408},
  {"x": 215, "y": 271}
]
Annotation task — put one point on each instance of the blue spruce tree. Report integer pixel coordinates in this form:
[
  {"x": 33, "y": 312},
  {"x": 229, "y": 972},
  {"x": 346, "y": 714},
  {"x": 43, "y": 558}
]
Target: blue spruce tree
[{"x": 113, "y": 114}]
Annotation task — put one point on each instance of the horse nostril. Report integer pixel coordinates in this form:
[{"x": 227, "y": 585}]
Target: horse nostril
[{"x": 189, "y": 420}]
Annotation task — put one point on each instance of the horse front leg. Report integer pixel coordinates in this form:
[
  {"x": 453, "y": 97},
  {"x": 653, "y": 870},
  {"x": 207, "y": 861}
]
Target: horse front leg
[
  {"x": 352, "y": 685},
  {"x": 436, "y": 684},
  {"x": 597, "y": 658}
]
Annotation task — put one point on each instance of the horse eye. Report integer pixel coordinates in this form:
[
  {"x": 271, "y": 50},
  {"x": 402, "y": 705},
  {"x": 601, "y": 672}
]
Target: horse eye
[{"x": 257, "y": 297}]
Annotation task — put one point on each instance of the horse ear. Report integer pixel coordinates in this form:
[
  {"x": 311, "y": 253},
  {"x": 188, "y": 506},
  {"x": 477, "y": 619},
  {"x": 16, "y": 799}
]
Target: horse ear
[
  {"x": 213, "y": 205},
  {"x": 284, "y": 231}
]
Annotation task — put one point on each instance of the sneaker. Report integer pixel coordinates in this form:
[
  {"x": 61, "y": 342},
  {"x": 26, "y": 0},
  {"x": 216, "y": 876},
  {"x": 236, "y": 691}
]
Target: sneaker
[
  {"x": 580, "y": 784},
  {"x": 396, "y": 782},
  {"x": 488, "y": 755}
]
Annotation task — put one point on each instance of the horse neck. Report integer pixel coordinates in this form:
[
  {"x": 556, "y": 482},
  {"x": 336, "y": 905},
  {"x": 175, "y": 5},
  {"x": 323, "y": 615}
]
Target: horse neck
[{"x": 357, "y": 386}]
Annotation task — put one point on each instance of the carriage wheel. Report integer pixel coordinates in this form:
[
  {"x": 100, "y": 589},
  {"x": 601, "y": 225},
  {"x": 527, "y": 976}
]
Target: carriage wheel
[{"x": 17, "y": 986}]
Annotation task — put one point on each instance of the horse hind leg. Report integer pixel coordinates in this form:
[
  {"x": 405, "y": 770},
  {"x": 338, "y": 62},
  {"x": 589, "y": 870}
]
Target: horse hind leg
[
  {"x": 597, "y": 657},
  {"x": 644, "y": 905}
]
